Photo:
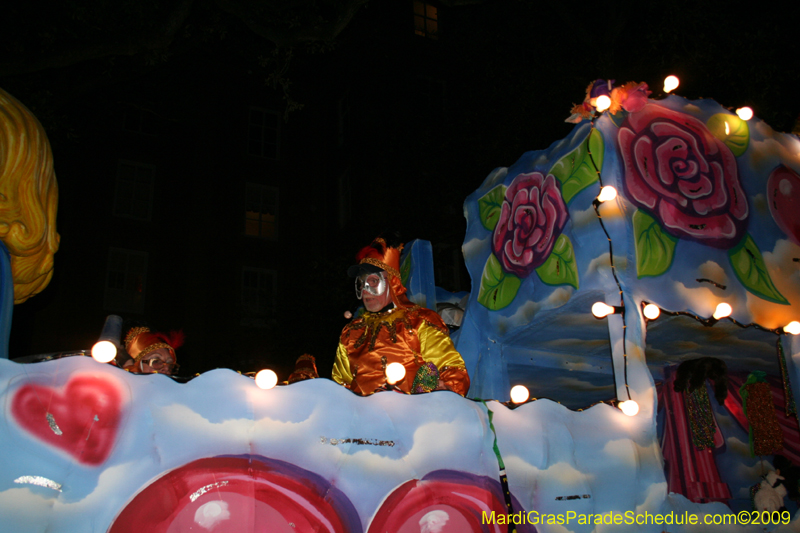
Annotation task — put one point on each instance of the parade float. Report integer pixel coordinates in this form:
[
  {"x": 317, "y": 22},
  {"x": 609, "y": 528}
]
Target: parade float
[{"x": 639, "y": 278}]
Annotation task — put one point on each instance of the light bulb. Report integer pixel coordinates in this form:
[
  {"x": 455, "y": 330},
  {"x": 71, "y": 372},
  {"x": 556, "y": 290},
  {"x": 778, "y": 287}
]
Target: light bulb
[
  {"x": 792, "y": 327},
  {"x": 602, "y": 102},
  {"x": 600, "y": 310},
  {"x": 745, "y": 113},
  {"x": 607, "y": 193},
  {"x": 651, "y": 311},
  {"x": 394, "y": 373},
  {"x": 266, "y": 379},
  {"x": 671, "y": 83},
  {"x": 722, "y": 311},
  {"x": 629, "y": 407},
  {"x": 104, "y": 351},
  {"x": 519, "y": 394}
]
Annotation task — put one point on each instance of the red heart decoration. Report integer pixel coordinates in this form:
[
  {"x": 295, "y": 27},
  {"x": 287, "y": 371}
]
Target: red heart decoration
[{"x": 87, "y": 413}]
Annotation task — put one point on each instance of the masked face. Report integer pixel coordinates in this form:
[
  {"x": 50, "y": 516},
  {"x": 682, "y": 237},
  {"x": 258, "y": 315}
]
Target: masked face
[
  {"x": 160, "y": 361},
  {"x": 373, "y": 290},
  {"x": 373, "y": 283}
]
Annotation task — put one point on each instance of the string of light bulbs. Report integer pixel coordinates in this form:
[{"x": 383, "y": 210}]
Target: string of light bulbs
[
  {"x": 723, "y": 310},
  {"x": 105, "y": 350}
]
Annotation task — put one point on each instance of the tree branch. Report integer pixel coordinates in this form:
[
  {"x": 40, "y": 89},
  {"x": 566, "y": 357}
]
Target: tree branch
[
  {"x": 295, "y": 32},
  {"x": 155, "y": 40}
]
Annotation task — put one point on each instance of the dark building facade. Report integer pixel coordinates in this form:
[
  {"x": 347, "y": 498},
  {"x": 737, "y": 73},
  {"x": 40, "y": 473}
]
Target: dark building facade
[{"x": 190, "y": 199}]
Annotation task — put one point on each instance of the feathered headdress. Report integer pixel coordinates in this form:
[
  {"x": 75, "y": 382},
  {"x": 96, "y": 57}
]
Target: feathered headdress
[
  {"x": 384, "y": 255},
  {"x": 140, "y": 341}
]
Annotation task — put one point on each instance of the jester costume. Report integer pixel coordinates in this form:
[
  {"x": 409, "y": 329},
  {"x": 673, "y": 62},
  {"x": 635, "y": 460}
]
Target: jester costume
[
  {"x": 405, "y": 333},
  {"x": 140, "y": 342}
]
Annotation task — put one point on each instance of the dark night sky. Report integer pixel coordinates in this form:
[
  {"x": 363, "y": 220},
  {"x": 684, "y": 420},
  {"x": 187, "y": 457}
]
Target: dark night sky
[{"x": 512, "y": 69}]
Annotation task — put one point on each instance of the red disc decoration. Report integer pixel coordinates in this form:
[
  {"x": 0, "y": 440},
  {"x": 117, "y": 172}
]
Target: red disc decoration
[
  {"x": 783, "y": 189},
  {"x": 81, "y": 418},
  {"x": 447, "y": 501},
  {"x": 237, "y": 494}
]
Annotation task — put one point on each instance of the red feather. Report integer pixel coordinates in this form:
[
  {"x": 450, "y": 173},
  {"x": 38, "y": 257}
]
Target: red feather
[
  {"x": 173, "y": 338},
  {"x": 370, "y": 251}
]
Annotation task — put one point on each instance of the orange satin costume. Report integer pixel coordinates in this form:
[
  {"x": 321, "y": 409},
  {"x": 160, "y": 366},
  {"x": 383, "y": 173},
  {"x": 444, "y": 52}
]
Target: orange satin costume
[{"x": 406, "y": 334}]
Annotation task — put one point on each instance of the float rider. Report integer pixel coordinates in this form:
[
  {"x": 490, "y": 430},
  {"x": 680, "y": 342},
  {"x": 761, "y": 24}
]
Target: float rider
[
  {"x": 393, "y": 329},
  {"x": 152, "y": 352}
]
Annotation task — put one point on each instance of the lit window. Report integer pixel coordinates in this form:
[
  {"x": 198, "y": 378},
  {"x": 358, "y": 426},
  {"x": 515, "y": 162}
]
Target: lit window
[
  {"x": 426, "y": 19},
  {"x": 126, "y": 278},
  {"x": 261, "y": 211},
  {"x": 133, "y": 197},
  {"x": 263, "y": 136},
  {"x": 259, "y": 291}
]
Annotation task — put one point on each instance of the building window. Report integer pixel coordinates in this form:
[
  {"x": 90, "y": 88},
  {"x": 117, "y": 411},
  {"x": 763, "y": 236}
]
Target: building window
[
  {"x": 448, "y": 265},
  {"x": 344, "y": 120},
  {"x": 426, "y": 20},
  {"x": 261, "y": 211},
  {"x": 345, "y": 199},
  {"x": 259, "y": 291},
  {"x": 140, "y": 121},
  {"x": 126, "y": 279},
  {"x": 133, "y": 197},
  {"x": 263, "y": 137},
  {"x": 428, "y": 99}
]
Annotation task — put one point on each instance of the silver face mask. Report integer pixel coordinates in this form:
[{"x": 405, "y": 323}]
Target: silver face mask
[{"x": 373, "y": 283}]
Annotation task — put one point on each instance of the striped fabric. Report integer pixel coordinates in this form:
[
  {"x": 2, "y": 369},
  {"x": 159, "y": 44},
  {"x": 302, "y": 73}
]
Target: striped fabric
[
  {"x": 689, "y": 472},
  {"x": 694, "y": 473}
]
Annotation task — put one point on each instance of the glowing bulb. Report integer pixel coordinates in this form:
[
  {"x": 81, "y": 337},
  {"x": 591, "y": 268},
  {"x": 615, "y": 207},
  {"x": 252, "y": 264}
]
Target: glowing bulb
[
  {"x": 629, "y": 407},
  {"x": 651, "y": 311},
  {"x": 722, "y": 311},
  {"x": 600, "y": 310},
  {"x": 519, "y": 394},
  {"x": 745, "y": 113},
  {"x": 607, "y": 193},
  {"x": 792, "y": 327},
  {"x": 104, "y": 351},
  {"x": 671, "y": 83},
  {"x": 602, "y": 102},
  {"x": 266, "y": 379},
  {"x": 394, "y": 373}
]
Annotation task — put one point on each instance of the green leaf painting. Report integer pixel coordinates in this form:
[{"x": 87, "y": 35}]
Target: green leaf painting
[
  {"x": 655, "y": 248},
  {"x": 405, "y": 270},
  {"x": 560, "y": 267},
  {"x": 575, "y": 170},
  {"x": 490, "y": 205},
  {"x": 751, "y": 270},
  {"x": 498, "y": 289},
  {"x": 731, "y": 130}
]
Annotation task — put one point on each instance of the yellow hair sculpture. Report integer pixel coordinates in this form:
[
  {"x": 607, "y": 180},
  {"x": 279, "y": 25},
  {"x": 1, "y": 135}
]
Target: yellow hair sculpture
[{"x": 28, "y": 198}]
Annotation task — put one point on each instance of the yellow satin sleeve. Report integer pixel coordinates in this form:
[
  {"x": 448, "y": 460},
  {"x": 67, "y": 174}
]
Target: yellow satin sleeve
[
  {"x": 341, "y": 367},
  {"x": 438, "y": 348}
]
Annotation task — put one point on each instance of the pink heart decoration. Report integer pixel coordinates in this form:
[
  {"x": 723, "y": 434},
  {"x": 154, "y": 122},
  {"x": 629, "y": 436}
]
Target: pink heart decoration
[{"x": 86, "y": 411}]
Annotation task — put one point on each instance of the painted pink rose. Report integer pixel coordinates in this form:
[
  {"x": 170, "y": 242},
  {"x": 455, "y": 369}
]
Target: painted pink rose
[
  {"x": 684, "y": 176},
  {"x": 532, "y": 217}
]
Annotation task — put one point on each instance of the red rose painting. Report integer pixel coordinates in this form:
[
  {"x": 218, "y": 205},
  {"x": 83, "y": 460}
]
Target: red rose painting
[{"x": 684, "y": 176}]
